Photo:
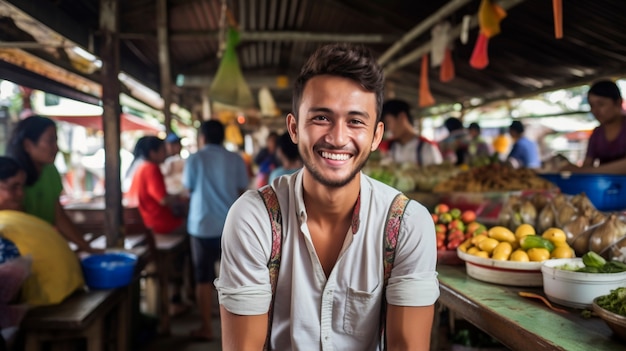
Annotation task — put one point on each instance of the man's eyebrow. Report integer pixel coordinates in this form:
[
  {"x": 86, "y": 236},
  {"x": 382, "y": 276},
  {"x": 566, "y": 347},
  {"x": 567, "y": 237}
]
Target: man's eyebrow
[{"x": 326, "y": 110}]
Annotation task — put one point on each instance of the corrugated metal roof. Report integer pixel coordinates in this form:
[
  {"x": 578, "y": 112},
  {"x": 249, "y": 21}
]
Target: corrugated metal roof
[{"x": 278, "y": 35}]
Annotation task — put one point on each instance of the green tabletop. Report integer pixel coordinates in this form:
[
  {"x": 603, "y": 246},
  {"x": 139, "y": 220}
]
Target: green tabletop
[{"x": 521, "y": 323}]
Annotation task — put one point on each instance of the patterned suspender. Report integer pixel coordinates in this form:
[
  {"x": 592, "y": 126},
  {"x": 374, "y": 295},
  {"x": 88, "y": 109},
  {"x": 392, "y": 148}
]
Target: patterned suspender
[{"x": 392, "y": 228}]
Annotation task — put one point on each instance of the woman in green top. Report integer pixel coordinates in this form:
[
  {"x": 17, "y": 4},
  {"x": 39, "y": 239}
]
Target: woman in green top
[{"x": 33, "y": 144}]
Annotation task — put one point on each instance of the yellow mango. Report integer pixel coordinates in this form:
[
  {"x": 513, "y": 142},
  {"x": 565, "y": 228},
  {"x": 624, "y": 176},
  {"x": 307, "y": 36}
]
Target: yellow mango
[
  {"x": 502, "y": 251},
  {"x": 488, "y": 245},
  {"x": 519, "y": 255},
  {"x": 501, "y": 233}
]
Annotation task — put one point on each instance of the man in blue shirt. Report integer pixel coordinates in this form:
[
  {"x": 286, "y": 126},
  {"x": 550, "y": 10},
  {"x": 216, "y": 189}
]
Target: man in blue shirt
[
  {"x": 215, "y": 177},
  {"x": 525, "y": 153}
]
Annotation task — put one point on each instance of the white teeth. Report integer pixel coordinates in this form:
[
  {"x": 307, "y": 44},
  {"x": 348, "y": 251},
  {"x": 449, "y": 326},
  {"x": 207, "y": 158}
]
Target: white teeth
[{"x": 336, "y": 157}]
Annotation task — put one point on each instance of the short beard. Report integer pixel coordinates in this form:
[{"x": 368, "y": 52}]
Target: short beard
[{"x": 336, "y": 183}]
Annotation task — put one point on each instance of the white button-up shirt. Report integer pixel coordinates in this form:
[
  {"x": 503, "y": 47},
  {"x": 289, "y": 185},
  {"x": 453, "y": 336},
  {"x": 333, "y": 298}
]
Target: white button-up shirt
[{"x": 312, "y": 312}]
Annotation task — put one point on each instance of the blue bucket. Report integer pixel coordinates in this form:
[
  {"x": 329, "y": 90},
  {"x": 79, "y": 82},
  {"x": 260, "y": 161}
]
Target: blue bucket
[
  {"x": 109, "y": 270},
  {"x": 606, "y": 192}
]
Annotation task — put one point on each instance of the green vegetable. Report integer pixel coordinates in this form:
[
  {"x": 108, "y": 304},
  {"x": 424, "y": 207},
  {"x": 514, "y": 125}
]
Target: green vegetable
[
  {"x": 613, "y": 267},
  {"x": 592, "y": 259},
  {"x": 614, "y": 302},
  {"x": 535, "y": 241}
]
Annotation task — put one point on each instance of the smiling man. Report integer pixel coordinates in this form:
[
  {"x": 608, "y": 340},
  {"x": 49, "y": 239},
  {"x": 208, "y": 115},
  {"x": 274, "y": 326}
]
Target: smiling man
[{"x": 331, "y": 290}]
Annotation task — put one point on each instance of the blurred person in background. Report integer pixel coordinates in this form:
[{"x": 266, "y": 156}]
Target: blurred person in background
[
  {"x": 33, "y": 144},
  {"x": 172, "y": 167},
  {"x": 454, "y": 146},
  {"x": 501, "y": 143},
  {"x": 266, "y": 160},
  {"x": 478, "y": 152},
  {"x": 525, "y": 152},
  {"x": 147, "y": 190},
  {"x": 288, "y": 155},
  {"x": 214, "y": 177},
  {"x": 406, "y": 145},
  {"x": 606, "y": 149}
]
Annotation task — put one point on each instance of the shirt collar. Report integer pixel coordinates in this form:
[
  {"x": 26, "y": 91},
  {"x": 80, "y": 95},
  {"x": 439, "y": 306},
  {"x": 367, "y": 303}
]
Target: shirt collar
[{"x": 356, "y": 213}]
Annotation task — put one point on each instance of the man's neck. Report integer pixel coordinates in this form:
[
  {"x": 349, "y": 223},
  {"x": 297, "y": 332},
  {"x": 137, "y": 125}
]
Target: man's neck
[{"x": 325, "y": 203}]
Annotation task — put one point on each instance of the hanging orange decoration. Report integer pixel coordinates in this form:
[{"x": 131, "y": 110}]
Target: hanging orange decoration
[
  {"x": 446, "y": 71},
  {"x": 557, "y": 9},
  {"x": 489, "y": 17},
  {"x": 425, "y": 97}
]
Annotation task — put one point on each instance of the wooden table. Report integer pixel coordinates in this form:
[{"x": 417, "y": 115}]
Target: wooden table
[{"x": 521, "y": 323}]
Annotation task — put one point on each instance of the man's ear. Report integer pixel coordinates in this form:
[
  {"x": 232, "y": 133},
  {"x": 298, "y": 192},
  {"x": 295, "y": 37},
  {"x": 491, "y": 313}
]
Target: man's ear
[
  {"x": 378, "y": 135},
  {"x": 292, "y": 127}
]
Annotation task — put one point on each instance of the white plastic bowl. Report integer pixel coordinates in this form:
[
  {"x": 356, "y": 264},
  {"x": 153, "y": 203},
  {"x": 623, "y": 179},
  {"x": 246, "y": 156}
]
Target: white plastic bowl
[
  {"x": 502, "y": 272},
  {"x": 577, "y": 289}
]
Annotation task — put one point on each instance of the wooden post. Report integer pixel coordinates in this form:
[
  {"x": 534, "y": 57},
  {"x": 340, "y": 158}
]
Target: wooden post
[
  {"x": 110, "y": 54},
  {"x": 164, "y": 62}
]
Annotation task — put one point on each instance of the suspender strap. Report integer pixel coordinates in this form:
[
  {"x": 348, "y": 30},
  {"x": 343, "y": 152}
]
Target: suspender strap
[
  {"x": 392, "y": 228},
  {"x": 273, "y": 209}
]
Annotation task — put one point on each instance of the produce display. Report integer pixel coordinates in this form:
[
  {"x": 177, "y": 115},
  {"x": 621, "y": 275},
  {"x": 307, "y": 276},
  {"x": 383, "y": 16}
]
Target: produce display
[
  {"x": 523, "y": 245},
  {"x": 614, "y": 302},
  {"x": 595, "y": 263},
  {"x": 586, "y": 228},
  {"x": 408, "y": 176},
  {"x": 494, "y": 177},
  {"x": 453, "y": 226}
]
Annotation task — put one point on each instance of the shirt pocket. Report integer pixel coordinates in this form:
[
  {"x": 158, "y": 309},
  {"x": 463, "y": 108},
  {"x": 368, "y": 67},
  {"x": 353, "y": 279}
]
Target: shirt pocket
[{"x": 362, "y": 310}]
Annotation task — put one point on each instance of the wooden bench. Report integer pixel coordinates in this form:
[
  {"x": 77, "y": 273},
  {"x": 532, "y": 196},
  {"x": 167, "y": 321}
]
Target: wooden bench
[
  {"x": 163, "y": 249},
  {"x": 84, "y": 315}
]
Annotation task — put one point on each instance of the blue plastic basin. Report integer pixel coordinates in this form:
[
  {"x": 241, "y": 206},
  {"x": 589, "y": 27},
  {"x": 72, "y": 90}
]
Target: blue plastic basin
[
  {"x": 606, "y": 192},
  {"x": 109, "y": 270}
]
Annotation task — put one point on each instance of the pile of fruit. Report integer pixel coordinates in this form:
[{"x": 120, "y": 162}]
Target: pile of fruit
[
  {"x": 453, "y": 226},
  {"x": 523, "y": 245}
]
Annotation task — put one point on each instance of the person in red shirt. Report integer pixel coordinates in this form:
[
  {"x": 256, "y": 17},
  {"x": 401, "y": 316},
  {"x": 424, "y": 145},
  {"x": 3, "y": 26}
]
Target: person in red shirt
[{"x": 147, "y": 189}]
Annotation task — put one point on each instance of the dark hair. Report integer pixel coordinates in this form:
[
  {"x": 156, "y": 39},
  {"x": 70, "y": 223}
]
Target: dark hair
[
  {"x": 354, "y": 62},
  {"x": 395, "y": 108},
  {"x": 213, "y": 131},
  {"x": 517, "y": 126},
  {"x": 607, "y": 89},
  {"x": 30, "y": 128},
  {"x": 8, "y": 168},
  {"x": 288, "y": 147},
  {"x": 452, "y": 124},
  {"x": 474, "y": 126}
]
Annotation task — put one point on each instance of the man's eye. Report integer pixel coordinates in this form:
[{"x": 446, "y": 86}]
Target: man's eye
[
  {"x": 356, "y": 121},
  {"x": 320, "y": 118}
]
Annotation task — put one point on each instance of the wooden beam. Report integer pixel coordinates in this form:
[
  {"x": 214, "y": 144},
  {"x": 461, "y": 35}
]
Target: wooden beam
[
  {"x": 164, "y": 62},
  {"x": 270, "y": 36},
  {"x": 110, "y": 49}
]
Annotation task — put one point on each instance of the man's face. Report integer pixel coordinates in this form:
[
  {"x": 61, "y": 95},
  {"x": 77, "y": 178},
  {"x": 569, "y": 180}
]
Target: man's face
[{"x": 336, "y": 129}]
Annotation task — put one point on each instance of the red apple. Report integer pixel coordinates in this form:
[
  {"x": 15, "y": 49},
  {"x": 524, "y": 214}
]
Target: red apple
[
  {"x": 441, "y": 208},
  {"x": 472, "y": 227},
  {"x": 457, "y": 224},
  {"x": 441, "y": 228},
  {"x": 468, "y": 216}
]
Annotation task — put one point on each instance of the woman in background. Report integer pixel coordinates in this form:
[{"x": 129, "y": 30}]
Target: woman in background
[
  {"x": 147, "y": 189},
  {"x": 606, "y": 149},
  {"x": 33, "y": 144}
]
